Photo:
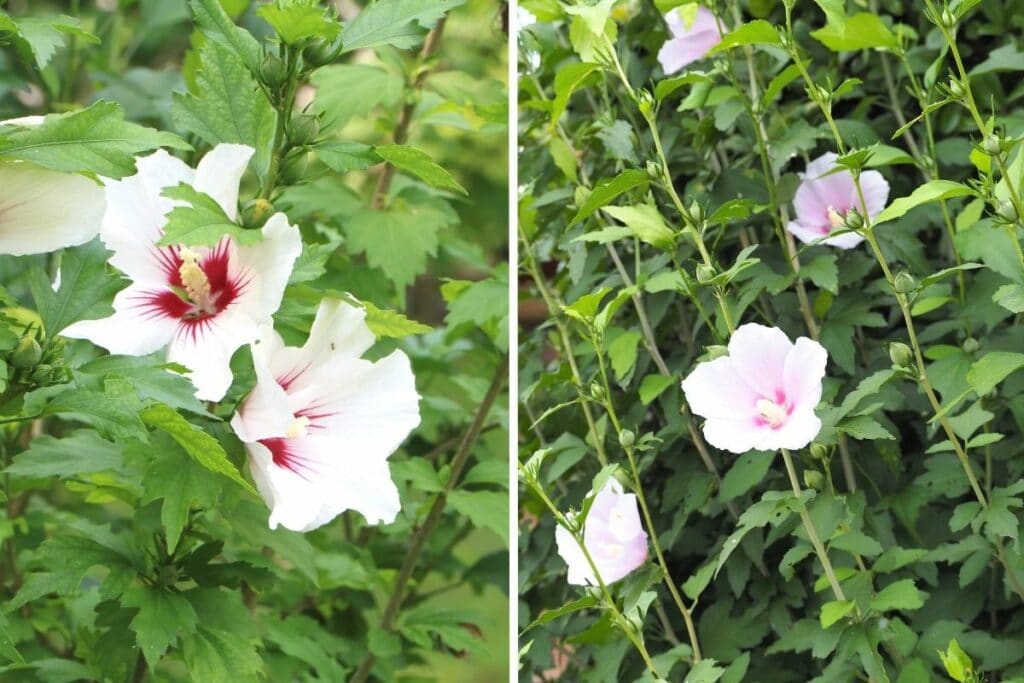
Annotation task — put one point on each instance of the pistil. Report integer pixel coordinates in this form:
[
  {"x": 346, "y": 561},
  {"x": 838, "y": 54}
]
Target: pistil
[{"x": 197, "y": 285}]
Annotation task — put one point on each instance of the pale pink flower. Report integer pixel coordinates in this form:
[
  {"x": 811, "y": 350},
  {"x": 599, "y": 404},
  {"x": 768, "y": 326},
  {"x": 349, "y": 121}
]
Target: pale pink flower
[
  {"x": 321, "y": 422},
  {"x": 823, "y": 201},
  {"x": 613, "y": 535},
  {"x": 690, "y": 41},
  {"x": 43, "y": 210},
  {"x": 762, "y": 396},
  {"x": 201, "y": 303}
]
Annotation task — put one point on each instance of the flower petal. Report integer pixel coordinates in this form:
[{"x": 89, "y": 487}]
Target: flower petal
[
  {"x": 799, "y": 430},
  {"x": 43, "y": 210},
  {"x": 803, "y": 372},
  {"x": 759, "y": 356},
  {"x": 733, "y": 435},
  {"x": 220, "y": 172},
  {"x": 265, "y": 268},
  {"x": 264, "y": 414},
  {"x": 807, "y": 234},
  {"x": 205, "y": 347},
  {"x": 714, "y": 389},
  {"x": 876, "y": 192},
  {"x": 137, "y": 327},
  {"x": 580, "y": 573}
]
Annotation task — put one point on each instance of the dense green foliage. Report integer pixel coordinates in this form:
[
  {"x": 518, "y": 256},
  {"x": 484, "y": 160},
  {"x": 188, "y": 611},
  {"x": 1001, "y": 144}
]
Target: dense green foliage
[
  {"x": 134, "y": 546},
  {"x": 652, "y": 222}
]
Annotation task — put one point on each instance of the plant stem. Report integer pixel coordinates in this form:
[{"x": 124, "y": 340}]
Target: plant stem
[
  {"x": 138, "y": 674},
  {"x": 423, "y": 532}
]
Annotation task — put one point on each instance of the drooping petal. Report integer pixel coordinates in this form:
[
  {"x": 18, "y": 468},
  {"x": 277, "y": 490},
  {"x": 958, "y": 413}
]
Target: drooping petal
[
  {"x": 758, "y": 354},
  {"x": 803, "y": 372},
  {"x": 43, "y": 210},
  {"x": 220, "y": 172},
  {"x": 205, "y": 347},
  {"x": 876, "y": 192},
  {"x": 714, "y": 389},
  {"x": 262, "y": 416},
  {"x": 139, "y": 326}
]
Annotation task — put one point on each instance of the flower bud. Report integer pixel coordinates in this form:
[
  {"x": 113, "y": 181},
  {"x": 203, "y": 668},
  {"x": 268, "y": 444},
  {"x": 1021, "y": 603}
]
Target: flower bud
[
  {"x": 273, "y": 73},
  {"x": 653, "y": 169},
  {"x": 705, "y": 273},
  {"x": 304, "y": 129},
  {"x": 256, "y": 213},
  {"x": 904, "y": 283},
  {"x": 646, "y": 103},
  {"x": 597, "y": 391},
  {"x": 992, "y": 145},
  {"x": 948, "y": 19},
  {"x": 970, "y": 345},
  {"x": 627, "y": 438},
  {"x": 854, "y": 221},
  {"x": 1007, "y": 212},
  {"x": 813, "y": 479},
  {"x": 27, "y": 354},
  {"x": 717, "y": 351},
  {"x": 293, "y": 170},
  {"x": 818, "y": 452},
  {"x": 42, "y": 374},
  {"x": 321, "y": 53},
  {"x": 900, "y": 354},
  {"x": 956, "y": 87},
  {"x": 697, "y": 213}
]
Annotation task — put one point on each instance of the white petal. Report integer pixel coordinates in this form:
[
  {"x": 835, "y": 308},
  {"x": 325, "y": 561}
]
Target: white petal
[
  {"x": 133, "y": 330},
  {"x": 43, "y": 210},
  {"x": 804, "y": 233},
  {"x": 803, "y": 372},
  {"x": 220, "y": 173},
  {"x": 266, "y": 267},
  {"x": 735, "y": 436},
  {"x": 580, "y": 573},
  {"x": 876, "y": 191},
  {"x": 715, "y": 389},
  {"x": 26, "y": 121},
  {"x": 799, "y": 430},
  {"x": 206, "y": 350},
  {"x": 264, "y": 413},
  {"x": 759, "y": 356},
  {"x": 847, "y": 240}
]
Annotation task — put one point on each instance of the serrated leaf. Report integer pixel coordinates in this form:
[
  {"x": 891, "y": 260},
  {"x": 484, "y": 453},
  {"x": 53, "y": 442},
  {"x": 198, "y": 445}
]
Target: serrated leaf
[
  {"x": 346, "y": 91},
  {"x": 991, "y": 369},
  {"x": 418, "y": 163},
  {"x": 347, "y": 156},
  {"x": 607, "y": 191},
  {"x": 295, "y": 20},
  {"x": 757, "y": 32},
  {"x": 387, "y": 22},
  {"x": 833, "y": 611},
  {"x": 386, "y": 323},
  {"x": 82, "y": 452},
  {"x": 163, "y": 617},
  {"x": 180, "y": 481},
  {"x": 900, "y": 595},
  {"x": 201, "y": 222},
  {"x": 218, "y": 26},
  {"x": 85, "y": 292},
  {"x": 397, "y": 240},
  {"x": 862, "y": 31},
  {"x": 485, "y": 509},
  {"x": 152, "y": 380}
]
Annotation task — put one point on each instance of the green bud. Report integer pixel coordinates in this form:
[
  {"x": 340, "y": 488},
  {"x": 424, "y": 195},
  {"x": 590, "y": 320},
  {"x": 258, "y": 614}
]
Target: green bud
[
  {"x": 597, "y": 391},
  {"x": 970, "y": 345},
  {"x": 818, "y": 452},
  {"x": 321, "y": 53},
  {"x": 900, "y": 354},
  {"x": 904, "y": 283},
  {"x": 293, "y": 170},
  {"x": 27, "y": 354},
  {"x": 717, "y": 351},
  {"x": 304, "y": 129},
  {"x": 653, "y": 169},
  {"x": 42, "y": 374},
  {"x": 992, "y": 145},
  {"x": 814, "y": 479},
  {"x": 956, "y": 87},
  {"x": 948, "y": 19},
  {"x": 823, "y": 93},
  {"x": 256, "y": 213},
  {"x": 697, "y": 213},
  {"x": 705, "y": 273},
  {"x": 1007, "y": 212},
  {"x": 627, "y": 438},
  {"x": 646, "y": 103},
  {"x": 273, "y": 73},
  {"x": 854, "y": 221}
]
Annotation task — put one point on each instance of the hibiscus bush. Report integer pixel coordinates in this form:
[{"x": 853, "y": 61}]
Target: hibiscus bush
[
  {"x": 253, "y": 341},
  {"x": 771, "y": 286}
]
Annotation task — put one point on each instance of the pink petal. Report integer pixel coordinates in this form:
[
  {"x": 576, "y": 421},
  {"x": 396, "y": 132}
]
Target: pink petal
[
  {"x": 876, "y": 191},
  {"x": 580, "y": 573},
  {"x": 847, "y": 240},
  {"x": 804, "y": 371},
  {"x": 758, "y": 354},
  {"x": 688, "y": 43},
  {"x": 808, "y": 234},
  {"x": 715, "y": 389},
  {"x": 734, "y": 435}
]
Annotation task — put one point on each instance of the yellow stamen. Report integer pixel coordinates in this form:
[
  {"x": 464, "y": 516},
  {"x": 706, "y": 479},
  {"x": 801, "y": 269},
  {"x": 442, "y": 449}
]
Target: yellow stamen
[
  {"x": 197, "y": 285},
  {"x": 299, "y": 427},
  {"x": 772, "y": 412},
  {"x": 836, "y": 219}
]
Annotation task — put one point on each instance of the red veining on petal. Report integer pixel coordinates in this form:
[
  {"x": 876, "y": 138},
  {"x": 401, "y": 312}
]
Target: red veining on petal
[
  {"x": 286, "y": 380},
  {"x": 284, "y": 455}
]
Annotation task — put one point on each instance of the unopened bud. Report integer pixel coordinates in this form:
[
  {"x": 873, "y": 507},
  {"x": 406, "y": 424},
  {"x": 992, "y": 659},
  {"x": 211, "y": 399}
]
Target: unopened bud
[
  {"x": 904, "y": 283},
  {"x": 717, "y": 351},
  {"x": 992, "y": 145},
  {"x": 900, "y": 354},
  {"x": 818, "y": 452},
  {"x": 705, "y": 273},
  {"x": 597, "y": 391},
  {"x": 293, "y": 171},
  {"x": 854, "y": 221},
  {"x": 321, "y": 53},
  {"x": 256, "y": 213},
  {"x": 970, "y": 345},
  {"x": 948, "y": 19},
  {"x": 27, "y": 354},
  {"x": 814, "y": 479},
  {"x": 697, "y": 213},
  {"x": 646, "y": 103},
  {"x": 1007, "y": 212},
  {"x": 42, "y": 374},
  {"x": 304, "y": 129},
  {"x": 627, "y": 438},
  {"x": 956, "y": 87},
  {"x": 273, "y": 73}
]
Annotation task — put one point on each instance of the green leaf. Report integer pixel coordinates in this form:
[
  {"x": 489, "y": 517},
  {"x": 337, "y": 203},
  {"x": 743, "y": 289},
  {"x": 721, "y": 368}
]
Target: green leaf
[
  {"x": 83, "y": 452},
  {"x": 202, "y": 222},
  {"x": 992, "y": 368},
  {"x": 151, "y": 380},
  {"x": 653, "y": 386},
  {"x": 96, "y": 140},
  {"x": 567, "y": 81},
  {"x": 85, "y": 292},
  {"x": 823, "y": 272},
  {"x": 932, "y": 191},
  {"x": 607, "y": 191},
  {"x": 549, "y": 615},
  {"x": 295, "y": 20},
  {"x": 346, "y": 91},
  {"x": 219, "y": 656},
  {"x": 386, "y": 323},
  {"x": 219, "y": 27},
  {"x": 645, "y": 222},
  {"x": 199, "y": 445},
  {"x": 45, "y": 35},
  {"x": 180, "y": 481},
  {"x": 485, "y": 509},
  {"x": 417, "y": 162},
  {"x": 747, "y": 472},
  {"x": 757, "y": 32},
  {"x": 833, "y": 611},
  {"x": 162, "y": 618},
  {"x": 397, "y": 240},
  {"x": 347, "y": 156},
  {"x": 622, "y": 352},
  {"x": 392, "y": 22},
  {"x": 7, "y": 649},
  {"x": 1010, "y": 297},
  {"x": 564, "y": 157},
  {"x": 862, "y": 31},
  {"x": 114, "y": 412},
  {"x": 834, "y": 11},
  {"x": 227, "y": 105},
  {"x": 864, "y": 428},
  {"x": 705, "y": 671},
  {"x": 900, "y": 595}
]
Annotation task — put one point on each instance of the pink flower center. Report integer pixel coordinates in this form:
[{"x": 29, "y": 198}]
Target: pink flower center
[
  {"x": 773, "y": 412},
  {"x": 836, "y": 218}
]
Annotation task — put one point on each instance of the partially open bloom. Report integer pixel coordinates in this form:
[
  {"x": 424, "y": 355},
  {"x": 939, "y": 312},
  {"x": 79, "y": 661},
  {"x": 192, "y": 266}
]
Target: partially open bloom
[
  {"x": 613, "y": 535},
  {"x": 202, "y": 303},
  {"x": 762, "y": 396},
  {"x": 693, "y": 36},
  {"x": 43, "y": 210},
  {"x": 321, "y": 422},
  {"x": 823, "y": 202}
]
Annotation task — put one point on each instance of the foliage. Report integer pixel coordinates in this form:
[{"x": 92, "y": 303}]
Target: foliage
[
  {"x": 134, "y": 546},
  {"x": 652, "y": 222}
]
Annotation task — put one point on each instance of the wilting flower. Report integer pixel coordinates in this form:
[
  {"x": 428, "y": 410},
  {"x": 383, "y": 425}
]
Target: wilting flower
[
  {"x": 202, "y": 303},
  {"x": 43, "y": 210},
  {"x": 613, "y": 535},
  {"x": 321, "y": 422},
  {"x": 693, "y": 36},
  {"x": 823, "y": 202},
  {"x": 762, "y": 395}
]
